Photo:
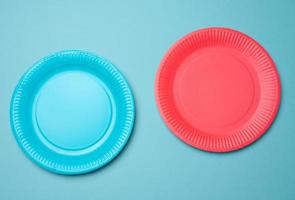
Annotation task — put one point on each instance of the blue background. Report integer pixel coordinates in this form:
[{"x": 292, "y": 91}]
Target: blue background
[{"x": 135, "y": 35}]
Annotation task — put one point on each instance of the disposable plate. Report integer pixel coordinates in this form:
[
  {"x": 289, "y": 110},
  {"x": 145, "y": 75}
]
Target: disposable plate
[
  {"x": 217, "y": 89},
  {"x": 72, "y": 112}
]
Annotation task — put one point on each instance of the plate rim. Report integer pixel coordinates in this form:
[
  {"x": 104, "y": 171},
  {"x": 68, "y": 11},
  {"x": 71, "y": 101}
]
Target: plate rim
[{"x": 112, "y": 153}]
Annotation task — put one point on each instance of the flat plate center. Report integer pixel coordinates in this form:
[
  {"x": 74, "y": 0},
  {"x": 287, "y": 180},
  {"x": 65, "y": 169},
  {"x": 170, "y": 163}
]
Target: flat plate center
[
  {"x": 73, "y": 110},
  {"x": 214, "y": 89}
]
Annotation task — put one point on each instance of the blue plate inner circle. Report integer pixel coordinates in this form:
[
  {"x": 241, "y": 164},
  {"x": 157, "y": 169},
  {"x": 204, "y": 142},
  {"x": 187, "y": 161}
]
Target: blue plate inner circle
[{"x": 73, "y": 110}]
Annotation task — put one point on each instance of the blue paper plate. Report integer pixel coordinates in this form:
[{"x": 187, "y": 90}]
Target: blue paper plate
[{"x": 72, "y": 112}]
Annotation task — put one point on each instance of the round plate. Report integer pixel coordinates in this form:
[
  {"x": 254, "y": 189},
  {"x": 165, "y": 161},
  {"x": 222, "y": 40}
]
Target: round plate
[
  {"x": 72, "y": 112},
  {"x": 217, "y": 89}
]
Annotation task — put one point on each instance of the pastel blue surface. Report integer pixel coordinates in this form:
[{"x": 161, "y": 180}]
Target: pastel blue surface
[
  {"x": 135, "y": 35},
  {"x": 72, "y": 112}
]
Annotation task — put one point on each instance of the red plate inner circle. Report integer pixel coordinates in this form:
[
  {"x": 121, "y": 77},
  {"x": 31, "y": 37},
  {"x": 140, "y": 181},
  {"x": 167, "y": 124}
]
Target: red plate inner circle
[{"x": 216, "y": 89}]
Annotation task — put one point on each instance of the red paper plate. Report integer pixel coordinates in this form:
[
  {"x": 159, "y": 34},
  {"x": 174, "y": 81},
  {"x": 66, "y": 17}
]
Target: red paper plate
[{"x": 217, "y": 89}]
